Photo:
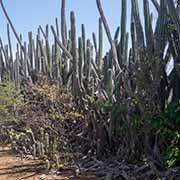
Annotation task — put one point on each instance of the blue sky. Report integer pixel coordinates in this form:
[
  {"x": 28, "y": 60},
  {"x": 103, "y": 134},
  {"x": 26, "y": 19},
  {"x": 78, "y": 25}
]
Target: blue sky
[{"x": 27, "y": 15}]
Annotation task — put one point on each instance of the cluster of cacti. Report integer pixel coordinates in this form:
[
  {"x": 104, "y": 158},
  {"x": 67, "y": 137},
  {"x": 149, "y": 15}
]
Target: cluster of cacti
[
  {"x": 25, "y": 143},
  {"x": 73, "y": 64},
  {"x": 133, "y": 74}
]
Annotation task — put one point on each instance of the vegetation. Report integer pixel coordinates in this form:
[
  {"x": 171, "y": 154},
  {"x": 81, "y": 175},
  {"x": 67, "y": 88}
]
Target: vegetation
[
  {"x": 11, "y": 101},
  {"x": 117, "y": 114}
]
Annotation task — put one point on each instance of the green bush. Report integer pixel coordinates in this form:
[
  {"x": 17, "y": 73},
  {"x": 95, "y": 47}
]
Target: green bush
[
  {"x": 10, "y": 101},
  {"x": 168, "y": 123}
]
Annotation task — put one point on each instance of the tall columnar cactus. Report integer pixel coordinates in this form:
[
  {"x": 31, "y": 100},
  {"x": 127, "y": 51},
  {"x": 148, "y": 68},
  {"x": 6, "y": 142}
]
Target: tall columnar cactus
[
  {"x": 105, "y": 69},
  {"x": 57, "y": 27},
  {"x": 9, "y": 43},
  {"x": 81, "y": 60},
  {"x": 11, "y": 24},
  {"x": 160, "y": 30},
  {"x": 48, "y": 52},
  {"x": 107, "y": 29},
  {"x": 100, "y": 50},
  {"x": 148, "y": 27},
  {"x": 116, "y": 36},
  {"x": 126, "y": 50},
  {"x": 123, "y": 33},
  {"x": 4, "y": 53},
  {"x": 55, "y": 52},
  {"x": 94, "y": 41},
  {"x": 75, "y": 79},
  {"x": 138, "y": 25},
  {"x": 30, "y": 51},
  {"x": 74, "y": 66},
  {"x": 16, "y": 70},
  {"x": 110, "y": 84},
  {"x": 38, "y": 58},
  {"x": 63, "y": 23},
  {"x": 88, "y": 65},
  {"x": 135, "y": 54},
  {"x": 84, "y": 41}
]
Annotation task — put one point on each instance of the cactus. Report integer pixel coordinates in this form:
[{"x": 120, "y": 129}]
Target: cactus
[
  {"x": 38, "y": 148},
  {"x": 11, "y": 24},
  {"x": 81, "y": 60},
  {"x": 148, "y": 26},
  {"x": 56, "y": 157},
  {"x": 46, "y": 143},
  {"x": 34, "y": 153},
  {"x": 9, "y": 43},
  {"x": 94, "y": 41},
  {"x": 63, "y": 23},
  {"x": 84, "y": 41},
  {"x": 75, "y": 78},
  {"x": 30, "y": 50},
  {"x": 48, "y": 54},
  {"x": 160, "y": 30},
  {"x": 76, "y": 67},
  {"x": 174, "y": 14},
  {"x": 38, "y": 58},
  {"x": 110, "y": 84},
  {"x": 114, "y": 52},
  {"x": 123, "y": 33},
  {"x": 100, "y": 50},
  {"x": 42, "y": 150},
  {"x": 88, "y": 65},
  {"x": 116, "y": 76},
  {"x": 42, "y": 133},
  {"x": 116, "y": 35},
  {"x": 48, "y": 165},
  {"x": 125, "y": 62}
]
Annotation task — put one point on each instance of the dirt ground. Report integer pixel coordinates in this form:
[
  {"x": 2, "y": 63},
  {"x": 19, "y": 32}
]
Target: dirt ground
[{"x": 13, "y": 168}]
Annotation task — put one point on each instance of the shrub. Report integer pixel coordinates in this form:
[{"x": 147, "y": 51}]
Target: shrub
[
  {"x": 168, "y": 123},
  {"x": 10, "y": 101}
]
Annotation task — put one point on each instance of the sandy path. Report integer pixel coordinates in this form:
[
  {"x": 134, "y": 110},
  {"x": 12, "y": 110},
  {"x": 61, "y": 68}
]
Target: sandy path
[{"x": 13, "y": 168}]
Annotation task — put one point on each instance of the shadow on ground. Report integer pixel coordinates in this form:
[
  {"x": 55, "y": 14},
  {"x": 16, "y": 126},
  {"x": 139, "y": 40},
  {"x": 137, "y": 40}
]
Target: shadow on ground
[{"x": 13, "y": 168}]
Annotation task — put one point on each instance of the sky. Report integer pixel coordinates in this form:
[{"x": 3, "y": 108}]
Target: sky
[{"x": 27, "y": 15}]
